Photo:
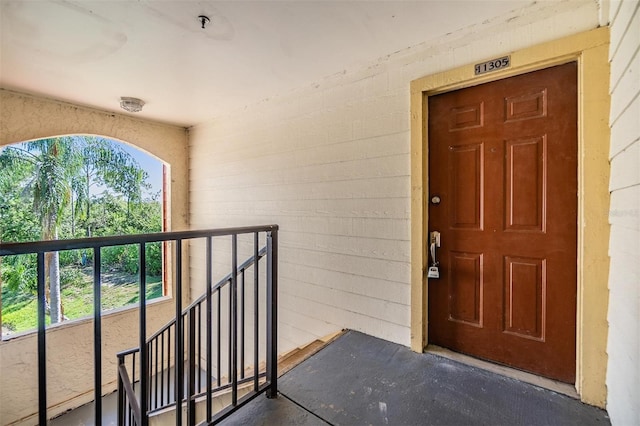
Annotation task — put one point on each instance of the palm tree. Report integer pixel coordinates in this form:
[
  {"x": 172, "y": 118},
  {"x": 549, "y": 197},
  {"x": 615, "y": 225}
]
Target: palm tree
[
  {"x": 55, "y": 162},
  {"x": 64, "y": 169},
  {"x": 51, "y": 195}
]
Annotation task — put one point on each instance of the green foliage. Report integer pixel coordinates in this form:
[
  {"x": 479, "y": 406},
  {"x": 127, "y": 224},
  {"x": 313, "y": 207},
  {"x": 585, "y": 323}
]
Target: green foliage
[
  {"x": 18, "y": 222},
  {"x": 21, "y": 310},
  {"x": 46, "y": 191},
  {"x": 19, "y": 274},
  {"x": 127, "y": 258}
]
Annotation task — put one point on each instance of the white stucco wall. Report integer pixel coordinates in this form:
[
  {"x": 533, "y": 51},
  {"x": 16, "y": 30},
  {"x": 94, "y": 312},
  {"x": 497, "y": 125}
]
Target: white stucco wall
[
  {"x": 70, "y": 345},
  {"x": 330, "y": 164},
  {"x": 623, "y": 373}
]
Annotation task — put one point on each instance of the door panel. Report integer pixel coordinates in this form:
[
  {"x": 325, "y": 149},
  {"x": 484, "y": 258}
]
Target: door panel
[
  {"x": 503, "y": 160},
  {"x": 465, "y": 288},
  {"x": 525, "y": 184},
  {"x": 525, "y": 305},
  {"x": 466, "y": 186}
]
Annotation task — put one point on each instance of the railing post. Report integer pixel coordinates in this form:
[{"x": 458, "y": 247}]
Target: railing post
[
  {"x": 234, "y": 320},
  {"x": 42, "y": 345},
  {"x": 97, "y": 336},
  {"x": 209, "y": 367},
  {"x": 179, "y": 336},
  {"x": 144, "y": 353},
  {"x": 272, "y": 313},
  {"x": 256, "y": 309},
  {"x": 121, "y": 394},
  {"x": 191, "y": 336}
]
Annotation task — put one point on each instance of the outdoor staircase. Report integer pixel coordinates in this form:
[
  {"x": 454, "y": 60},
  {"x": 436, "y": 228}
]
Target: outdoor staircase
[
  {"x": 295, "y": 356},
  {"x": 286, "y": 361},
  {"x": 224, "y": 333},
  {"x": 223, "y": 398}
]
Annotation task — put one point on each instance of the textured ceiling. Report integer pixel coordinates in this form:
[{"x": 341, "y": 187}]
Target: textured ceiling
[{"x": 93, "y": 52}]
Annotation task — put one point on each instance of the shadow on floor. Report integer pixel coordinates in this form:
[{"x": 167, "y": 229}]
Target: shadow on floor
[{"x": 362, "y": 380}]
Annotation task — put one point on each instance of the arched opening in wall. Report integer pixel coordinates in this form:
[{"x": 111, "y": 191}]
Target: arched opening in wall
[{"x": 71, "y": 187}]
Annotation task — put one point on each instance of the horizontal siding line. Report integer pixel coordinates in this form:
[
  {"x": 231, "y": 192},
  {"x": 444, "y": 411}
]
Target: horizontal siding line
[
  {"x": 200, "y": 270},
  {"x": 359, "y": 256},
  {"x": 220, "y": 163},
  {"x": 275, "y": 165},
  {"x": 321, "y": 321},
  {"x": 310, "y": 147},
  {"x": 292, "y": 308},
  {"x": 249, "y": 201},
  {"x": 284, "y": 231},
  {"x": 626, "y": 68},
  {"x": 330, "y": 234},
  {"x": 347, "y": 311},
  {"x": 633, "y": 185},
  {"x": 304, "y": 201},
  {"x": 233, "y": 155},
  {"x": 624, "y": 110},
  {"x": 369, "y": 299},
  {"x": 244, "y": 215},
  {"x": 342, "y": 309},
  {"x": 343, "y": 272},
  {"x": 404, "y": 305},
  {"x": 357, "y": 179},
  {"x": 270, "y": 217},
  {"x": 327, "y": 141},
  {"x": 622, "y": 228},
  {"x": 402, "y": 283},
  {"x": 625, "y": 148},
  {"x": 626, "y": 30},
  {"x": 200, "y": 188},
  {"x": 306, "y": 314},
  {"x": 312, "y": 215},
  {"x": 241, "y": 160},
  {"x": 616, "y": 12},
  {"x": 242, "y": 172},
  {"x": 302, "y": 330},
  {"x": 309, "y": 182}
]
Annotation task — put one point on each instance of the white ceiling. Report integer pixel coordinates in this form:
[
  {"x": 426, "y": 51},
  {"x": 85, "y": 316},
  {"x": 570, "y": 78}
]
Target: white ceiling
[{"x": 93, "y": 52}]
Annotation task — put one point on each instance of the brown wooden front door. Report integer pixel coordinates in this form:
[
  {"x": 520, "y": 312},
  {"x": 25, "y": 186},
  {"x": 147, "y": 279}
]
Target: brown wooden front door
[{"x": 503, "y": 161}]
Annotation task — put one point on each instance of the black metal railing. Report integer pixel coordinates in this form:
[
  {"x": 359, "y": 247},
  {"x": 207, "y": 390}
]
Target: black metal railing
[
  {"x": 145, "y": 374},
  {"x": 202, "y": 379}
]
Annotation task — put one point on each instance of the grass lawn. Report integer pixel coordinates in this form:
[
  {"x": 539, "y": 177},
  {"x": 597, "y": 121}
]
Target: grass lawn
[{"x": 19, "y": 311}]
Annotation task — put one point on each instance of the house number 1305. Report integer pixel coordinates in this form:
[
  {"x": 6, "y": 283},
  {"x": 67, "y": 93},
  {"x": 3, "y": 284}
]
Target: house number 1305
[{"x": 493, "y": 65}]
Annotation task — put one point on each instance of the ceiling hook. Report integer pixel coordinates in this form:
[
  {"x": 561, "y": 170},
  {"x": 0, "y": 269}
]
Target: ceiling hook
[{"x": 204, "y": 20}]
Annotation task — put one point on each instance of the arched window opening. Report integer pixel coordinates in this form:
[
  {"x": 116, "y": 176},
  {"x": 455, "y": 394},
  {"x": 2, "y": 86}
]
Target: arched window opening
[{"x": 74, "y": 187}]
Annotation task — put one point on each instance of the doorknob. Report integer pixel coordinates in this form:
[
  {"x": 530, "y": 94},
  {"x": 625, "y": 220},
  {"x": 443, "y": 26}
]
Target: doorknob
[
  {"x": 434, "y": 271},
  {"x": 434, "y": 238}
]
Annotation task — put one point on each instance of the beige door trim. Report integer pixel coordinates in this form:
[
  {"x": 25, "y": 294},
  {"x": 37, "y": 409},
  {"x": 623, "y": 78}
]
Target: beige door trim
[{"x": 590, "y": 50}]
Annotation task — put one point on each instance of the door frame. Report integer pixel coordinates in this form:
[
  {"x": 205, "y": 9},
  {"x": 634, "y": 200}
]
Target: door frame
[{"x": 590, "y": 50}]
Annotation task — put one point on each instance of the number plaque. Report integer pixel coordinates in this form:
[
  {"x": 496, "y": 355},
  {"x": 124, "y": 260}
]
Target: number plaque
[{"x": 493, "y": 65}]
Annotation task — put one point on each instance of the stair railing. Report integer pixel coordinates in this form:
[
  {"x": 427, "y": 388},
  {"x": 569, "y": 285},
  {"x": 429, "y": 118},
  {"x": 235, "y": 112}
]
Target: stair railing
[
  {"x": 199, "y": 358},
  {"x": 136, "y": 401}
]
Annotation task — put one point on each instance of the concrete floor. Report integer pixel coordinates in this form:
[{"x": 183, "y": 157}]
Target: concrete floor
[{"x": 361, "y": 380}]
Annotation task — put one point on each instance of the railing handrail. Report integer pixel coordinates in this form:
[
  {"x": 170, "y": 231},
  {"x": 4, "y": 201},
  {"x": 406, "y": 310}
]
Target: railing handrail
[
  {"x": 7, "y": 249},
  {"x": 244, "y": 266},
  {"x": 127, "y": 388}
]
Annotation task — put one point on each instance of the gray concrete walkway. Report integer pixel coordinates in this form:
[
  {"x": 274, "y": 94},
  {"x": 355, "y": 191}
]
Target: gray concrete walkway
[{"x": 361, "y": 380}]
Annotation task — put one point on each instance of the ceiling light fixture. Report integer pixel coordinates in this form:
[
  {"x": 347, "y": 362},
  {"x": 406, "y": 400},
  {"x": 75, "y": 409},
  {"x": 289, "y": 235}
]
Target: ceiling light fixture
[
  {"x": 204, "y": 20},
  {"x": 131, "y": 104}
]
